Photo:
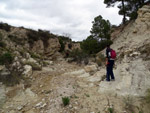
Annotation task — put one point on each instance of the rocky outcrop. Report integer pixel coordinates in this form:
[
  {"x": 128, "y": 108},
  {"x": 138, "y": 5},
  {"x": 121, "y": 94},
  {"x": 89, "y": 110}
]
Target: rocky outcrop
[
  {"x": 52, "y": 47},
  {"x": 71, "y": 46},
  {"x": 143, "y": 20},
  {"x": 38, "y": 47},
  {"x": 132, "y": 72}
]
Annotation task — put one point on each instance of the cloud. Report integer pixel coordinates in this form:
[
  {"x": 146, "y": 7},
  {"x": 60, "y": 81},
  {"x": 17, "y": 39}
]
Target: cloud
[{"x": 59, "y": 16}]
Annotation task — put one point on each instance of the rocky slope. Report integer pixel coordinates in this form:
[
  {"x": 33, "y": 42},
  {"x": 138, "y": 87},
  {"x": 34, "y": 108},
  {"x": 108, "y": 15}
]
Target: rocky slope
[
  {"x": 85, "y": 86},
  {"x": 132, "y": 46}
]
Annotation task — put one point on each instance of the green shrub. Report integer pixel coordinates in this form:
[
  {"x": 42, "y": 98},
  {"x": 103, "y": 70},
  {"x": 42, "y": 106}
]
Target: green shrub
[
  {"x": 12, "y": 79},
  {"x": 34, "y": 65},
  {"x": 1, "y": 36},
  {"x": 147, "y": 97},
  {"x": 45, "y": 36},
  {"x": 19, "y": 41},
  {"x": 62, "y": 45},
  {"x": 32, "y": 36},
  {"x": 100, "y": 60},
  {"x": 93, "y": 46},
  {"x": 2, "y": 44},
  {"x": 65, "y": 101},
  {"x": 5, "y": 26},
  {"x": 6, "y": 58},
  {"x": 39, "y": 35},
  {"x": 79, "y": 56},
  {"x": 33, "y": 55},
  {"x": 128, "y": 101},
  {"x": 110, "y": 110}
]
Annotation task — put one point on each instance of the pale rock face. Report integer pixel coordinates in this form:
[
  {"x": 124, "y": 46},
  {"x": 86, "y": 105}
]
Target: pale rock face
[
  {"x": 73, "y": 46},
  {"x": 132, "y": 74},
  {"x": 53, "y": 47},
  {"x": 90, "y": 68},
  {"x": 27, "y": 56},
  {"x": 27, "y": 70},
  {"x": 38, "y": 47},
  {"x": 2, "y": 67},
  {"x": 32, "y": 60},
  {"x": 2, "y": 96}
]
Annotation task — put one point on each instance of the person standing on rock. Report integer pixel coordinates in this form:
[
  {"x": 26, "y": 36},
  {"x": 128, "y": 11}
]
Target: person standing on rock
[{"x": 110, "y": 57}]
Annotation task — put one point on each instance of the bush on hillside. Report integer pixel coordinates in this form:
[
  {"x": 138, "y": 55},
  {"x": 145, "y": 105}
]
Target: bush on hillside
[
  {"x": 100, "y": 60},
  {"x": 62, "y": 45},
  {"x": 45, "y": 36},
  {"x": 79, "y": 56},
  {"x": 39, "y": 35},
  {"x": 17, "y": 40},
  {"x": 147, "y": 97},
  {"x": 13, "y": 78},
  {"x": 2, "y": 44},
  {"x": 11, "y": 74},
  {"x": 5, "y": 26},
  {"x": 1, "y": 36},
  {"x": 93, "y": 46},
  {"x": 6, "y": 58},
  {"x": 90, "y": 45},
  {"x": 32, "y": 36}
]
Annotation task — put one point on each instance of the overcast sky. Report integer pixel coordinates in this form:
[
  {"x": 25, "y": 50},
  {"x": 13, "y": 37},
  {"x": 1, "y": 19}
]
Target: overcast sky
[{"x": 72, "y": 17}]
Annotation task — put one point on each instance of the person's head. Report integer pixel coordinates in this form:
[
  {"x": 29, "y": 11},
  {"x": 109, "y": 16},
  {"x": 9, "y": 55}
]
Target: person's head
[{"x": 108, "y": 45}]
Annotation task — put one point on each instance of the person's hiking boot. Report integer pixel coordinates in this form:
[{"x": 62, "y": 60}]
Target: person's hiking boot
[
  {"x": 112, "y": 79},
  {"x": 107, "y": 80}
]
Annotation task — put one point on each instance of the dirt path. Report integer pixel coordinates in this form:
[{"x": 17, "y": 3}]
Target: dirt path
[{"x": 44, "y": 92}]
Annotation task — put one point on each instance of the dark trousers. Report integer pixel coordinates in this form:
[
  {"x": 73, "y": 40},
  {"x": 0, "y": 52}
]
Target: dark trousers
[{"x": 110, "y": 70}]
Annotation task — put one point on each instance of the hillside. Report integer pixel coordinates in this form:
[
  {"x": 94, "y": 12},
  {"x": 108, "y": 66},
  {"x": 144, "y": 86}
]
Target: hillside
[
  {"x": 85, "y": 86},
  {"x": 132, "y": 46}
]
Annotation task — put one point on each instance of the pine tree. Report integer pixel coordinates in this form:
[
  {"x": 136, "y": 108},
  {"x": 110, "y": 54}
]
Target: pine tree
[
  {"x": 128, "y": 8},
  {"x": 101, "y": 28}
]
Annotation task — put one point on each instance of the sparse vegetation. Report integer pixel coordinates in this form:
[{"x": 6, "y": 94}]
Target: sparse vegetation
[
  {"x": 87, "y": 95},
  {"x": 79, "y": 56},
  {"x": 39, "y": 35},
  {"x": 110, "y": 110},
  {"x": 100, "y": 60},
  {"x": 35, "y": 56},
  {"x": 19, "y": 41},
  {"x": 128, "y": 101},
  {"x": 34, "y": 65},
  {"x": 13, "y": 78},
  {"x": 66, "y": 101},
  {"x": 147, "y": 97},
  {"x": 11, "y": 74},
  {"x": 62, "y": 45},
  {"x": 103, "y": 78},
  {"x": 1, "y": 36},
  {"x": 93, "y": 46},
  {"x": 5, "y": 26},
  {"x": 2, "y": 44},
  {"x": 145, "y": 53},
  {"x": 6, "y": 58}
]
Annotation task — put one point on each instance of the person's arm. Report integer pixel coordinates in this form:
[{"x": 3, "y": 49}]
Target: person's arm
[
  {"x": 106, "y": 61},
  {"x": 107, "y": 56}
]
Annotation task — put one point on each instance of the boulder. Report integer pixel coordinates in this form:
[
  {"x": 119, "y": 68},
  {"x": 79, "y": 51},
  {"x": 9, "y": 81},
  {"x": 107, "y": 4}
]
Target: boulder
[
  {"x": 38, "y": 47},
  {"x": 32, "y": 62},
  {"x": 27, "y": 70},
  {"x": 2, "y": 67},
  {"x": 90, "y": 68},
  {"x": 4, "y": 73},
  {"x": 35, "y": 66},
  {"x": 27, "y": 56},
  {"x": 52, "y": 47}
]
